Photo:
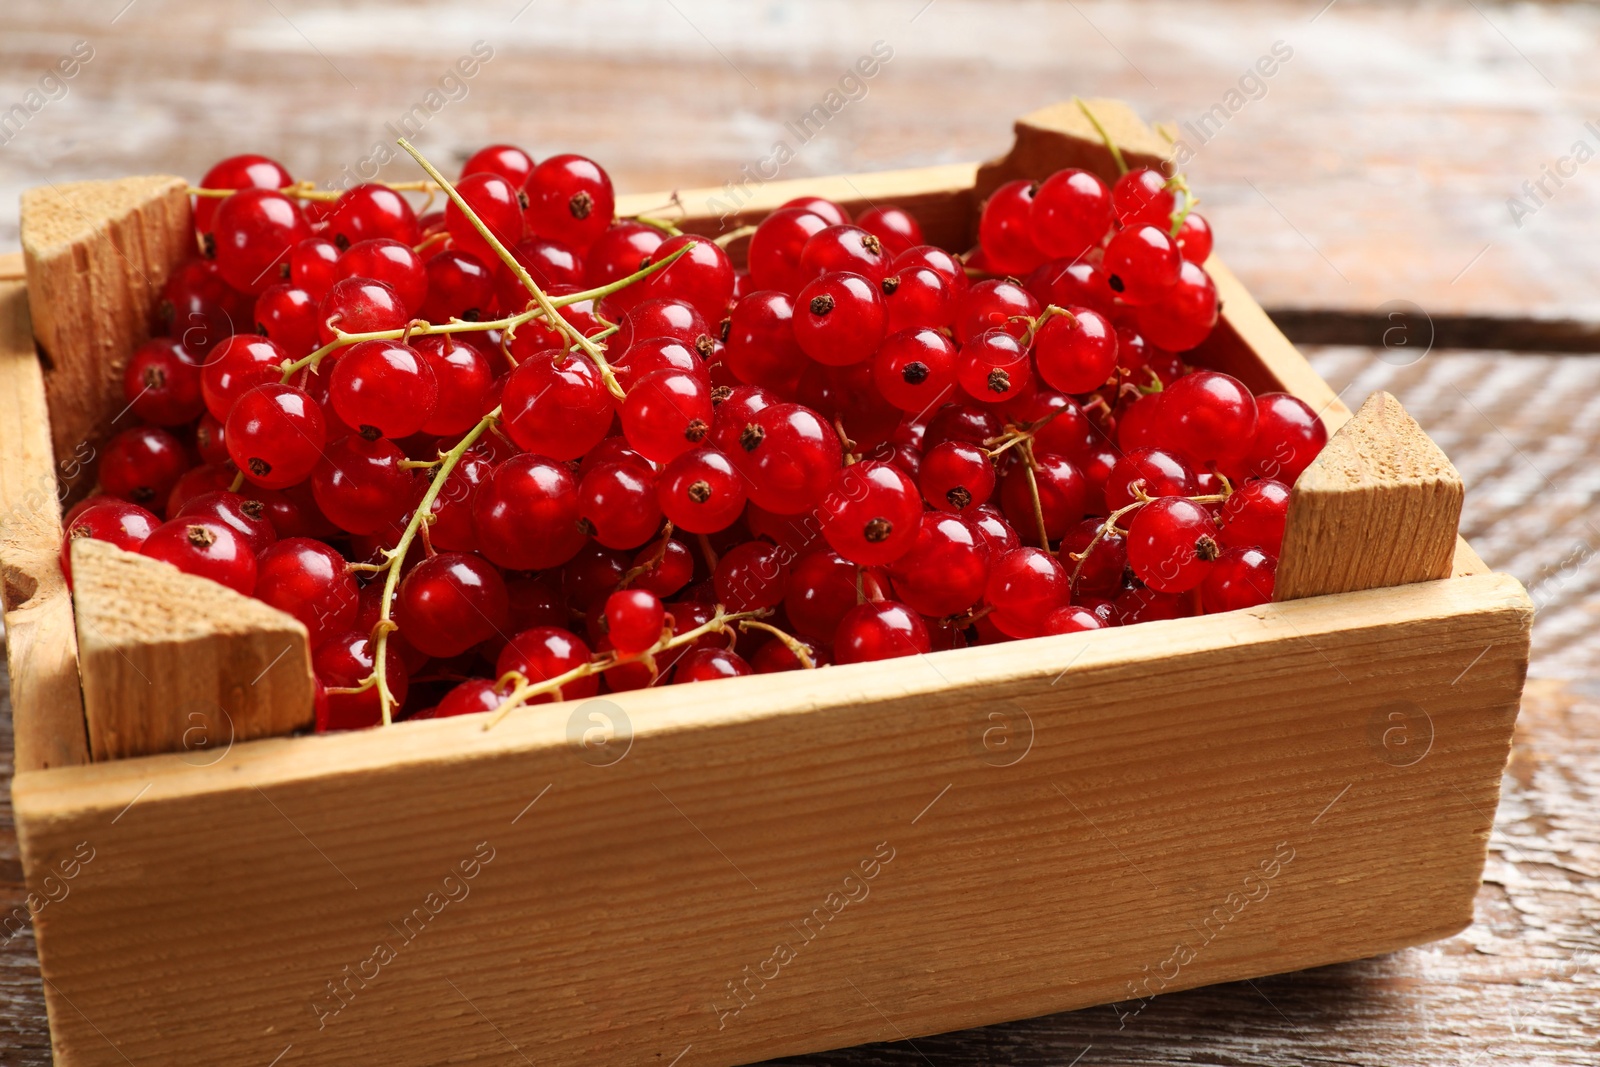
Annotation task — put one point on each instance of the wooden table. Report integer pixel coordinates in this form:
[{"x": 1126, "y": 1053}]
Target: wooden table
[{"x": 1370, "y": 174}]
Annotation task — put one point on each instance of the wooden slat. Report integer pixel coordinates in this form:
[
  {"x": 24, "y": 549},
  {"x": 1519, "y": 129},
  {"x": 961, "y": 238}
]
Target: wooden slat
[
  {"x": 171, "y": 662},
  {"x": 40, "y": 642},
  {"x": 97, "y": 254},
  {"x": 1378, "y": 507},
  {"x": 622, "y": 900}
]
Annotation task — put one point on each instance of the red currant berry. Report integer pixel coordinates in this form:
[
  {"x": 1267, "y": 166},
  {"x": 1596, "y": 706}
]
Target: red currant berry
[
  {"x": 760, "y": 346},
  {"x": 1194, "y": 238},
  {"x": 107, "y": 519},
  {"x": 570, "y": 200},
  {"x": 961, "y": 422},
  {"x": 314, "y": 266},
  {"x": 161, "y": 383},
  {"x": 247, "y": 516},
  {"x": 672, "y": 319},
  {"x": 1171, "y": 544},
  {"x": 359, "y": 305},
  {"x": 709, "y": 664},
  {"x": 526, "y": 514},
  {"x": 1102, "y": 569},
  {"x": 368, "y": 211},
  {"x": 236, "y": 366},
  {"x": 945, "y": 570},
  {"x": 776, "y": 248},
  {"x": 1076, "y": 352},
  {"x": 360, "y": 486},
  {"x": 667, "y": 412},
  {"x": 1025, "y": 585},
  {"x": 546, "y": 652},
  {"x": 1071, "y": 284},
  {"x": 830, "y": 212},
  {"x": 343, "y": 661},
  {"x": 701, "y": 492},
  {"x": 895, "y": 228},
  {"x": 1253, "y": 516},
  {"x": 555, "y": 405},
  {"x": 1072, "y": 619},
  {"x": 1062, "y": 492},
  {"x": 392, "y": 263},
  {"x": 288, "y": 316},
  {"x": 620, "y": 250},
  {"x": 872, "y": 513},
  {"x": 1211, "y": 416},
  {"x": 275, "y": 435},
  {"x": 1240, "y": 578},
  {"x": 508, "y": 161},
  {"x": 667, "y": 567},
  {"x": 1142, "y": 264},
  {"x": 997, "y": 304},
  {"x": 844, "y": 249},
  {"x": 1141, "y": 196},
  {"x": 956, "y": 476},
  {"x": 450, "y": 602},
  {"x": 993, "y": 366},
  {"x": 942, "y": 263},
  {"x": 1288, "y": 437},
  {"x": 841, "y": 319},
  {"x": 1005, "y": 230},
  {"x": 994, "y": 529},
  {"x": 701, "y": 277},
  {"x": 310, "y": 581},
  {"x": 915, "y": 369},
  {"x": 496, "y": 203},
  {"x": 237, "y": 172},
  {"x": 752, "y": 576},
  {"x": 468, "y": 698},
  {"x": 917, "y": 297},
  {"x": 142, "y": 465},
  {"x": 617, "y": 505},
  {"x": 383, "y": 389},
  {"x": 462, "y": 375},
  {"x": 199, "y": 309},
  {"x": 1184, "y": 315},
  {"x": 821, "y": 588},
  {"x": 459, "y": 287},
  {"x": 254, "y": 231},
  {"x": 1157, "y": 473},
  {"x": 878, "y": 630},
  {"x": 1071, "y": 213},
  {"x": 788, "y": 456},
  {"x": 634, "y": 619},
  {"x": 204, "y": 548}
]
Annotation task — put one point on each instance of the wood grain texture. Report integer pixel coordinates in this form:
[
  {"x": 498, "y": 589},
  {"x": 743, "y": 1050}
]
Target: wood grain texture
[
  {"x": 97, "y": 254},
  {"x": 40, "y": 639},
  {"x": 1059, "y": 872},
  {"x": 1379, "y": 506},
  {"x": 175, "y": 663}
]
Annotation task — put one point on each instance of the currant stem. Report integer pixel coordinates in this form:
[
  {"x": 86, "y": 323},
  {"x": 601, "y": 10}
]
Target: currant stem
[
  {"x": 1111, "y": 146},
  {"x": 655, "y": 557},
  {"x": 394, "y": 560},
  {"x": 718, "y": 623},
  {"x": 1052, "y": 311},
  {"x": 307, "y": 190},
  {"x": 793, "y": 644},
  {"x": 1141, "y": 499},
  {"x": 664, "y": 225},
  {"x": 733, "y": 235},
  {"x": 1028, "y": 465}
]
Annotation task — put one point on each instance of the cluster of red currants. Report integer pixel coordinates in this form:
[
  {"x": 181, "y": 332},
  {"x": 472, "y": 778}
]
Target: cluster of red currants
[{"x": 620, "y": 452}]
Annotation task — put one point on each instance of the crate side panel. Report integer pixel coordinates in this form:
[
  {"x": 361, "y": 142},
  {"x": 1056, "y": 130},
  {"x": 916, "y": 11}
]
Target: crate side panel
[{"x": 945, "y": 851}]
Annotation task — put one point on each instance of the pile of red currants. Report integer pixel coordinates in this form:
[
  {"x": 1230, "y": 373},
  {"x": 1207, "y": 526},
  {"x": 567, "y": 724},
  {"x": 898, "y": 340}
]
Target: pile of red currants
[{"x": 516, "y": 449}]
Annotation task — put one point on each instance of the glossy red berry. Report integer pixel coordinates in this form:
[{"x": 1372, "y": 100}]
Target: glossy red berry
[
  {"x": 700, "y": 491},
  {"x": 254, "y": 231},
  {"x": 246, "y": 515},
  {"x": 526, "y": 514},
  {"x": 1005, "y": 229},
  {"x": 701, "y": 277},
  {"x": 1142, "y": 264},
  {"x": 508, "y": 161},
  {"x": 450, "y": 602},
  {"x": 498, "y": 205},
  {"x": 1212, "y": 416},
  {"x": 569, "y": 200},
  {"x": 1253, "y": 516},
  {"x": 634, "y": 619},
  {"x": 555, "y": 405},
  {"x": 161, "y": 383},
  {"x": 237, "y": 172},
  {"x": 199, "y": 308},
  {"x": 1240, "y": 578},
  {"x": 666, "y": 413},
  {"x": 1071, "y": 213},
  {"x": 462, "y": 375},
  {"x": 1076, "y": 352},
  {"x": 359, "y": 305},
  {"x": 1025, "y": 585},
  {"x": 840, "y": 319},
  {"x": 363, "y": 212},
  {"x": 788, "y": 456},
  {"x": 111, "y": 520},
  {"x": 1100, "y": 569},
  {"x": 993, "y": 367},
  {"x": 392, "y": 263},
  {"x": 1288, "y": 437},
  {"x": 142, "y": 465},
  {"x": 879, "y": 630},
  {"x": 275, "y": 435},
  {"x": 845, "y": 248},
  {"x": 1184, "y": 316},
  {"x": 617, "y": 505},
  {"x": 956, "y": 476},
  {"x": 383, "y": 389},
  {"x": 759, "y": 341},
  {"x": 996, "y": 304},
  {"x": 1062, "y": 496},
  {"x": 1072, "y": 619},
  {"x": 917, "y": 297},
  {"x": 204, "y": 548},
  {"x": 343, "y": 661},
  {"x": 1171, "y": 544},
  {"x": 946, "y": 265},
  {"x": 310, "y": 581},
  {"x": 1142, "y": 196},
  {"x": 915, "y": 369},
  {"x": 897, "y": 229},
  {"x": 1155, "y": 471},
  {"x": 314, "y": 266},
  {"x": 459, "y": 286},
  {"x": 620, "y": 250},
  {"x": 872, "y": 513},
  {"x": 288, "y": 315},
  {"x": 945, "y": 570},
  {"x": 710, "y": 664},
  {"x": 546, "y": 652},
  {"x": 751, "y": 576},
  {"x": 236, "y": 366},
  {"x": 360, "y": 486},
  {"x": 829, "y": 211}
]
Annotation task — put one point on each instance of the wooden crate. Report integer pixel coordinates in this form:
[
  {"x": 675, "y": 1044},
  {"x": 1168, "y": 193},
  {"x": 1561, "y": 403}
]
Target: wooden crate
[{"x": 776, "y": 864}]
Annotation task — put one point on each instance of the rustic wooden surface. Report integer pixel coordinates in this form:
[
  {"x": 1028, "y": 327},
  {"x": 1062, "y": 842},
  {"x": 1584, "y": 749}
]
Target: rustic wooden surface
[
  {"x": 1373, "y": 168},
  {"x": 1365, "y": 194}
]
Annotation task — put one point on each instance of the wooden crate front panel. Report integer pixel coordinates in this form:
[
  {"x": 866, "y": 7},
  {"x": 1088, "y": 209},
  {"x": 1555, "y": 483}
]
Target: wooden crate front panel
[{"x": 1142, "y": 841}]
